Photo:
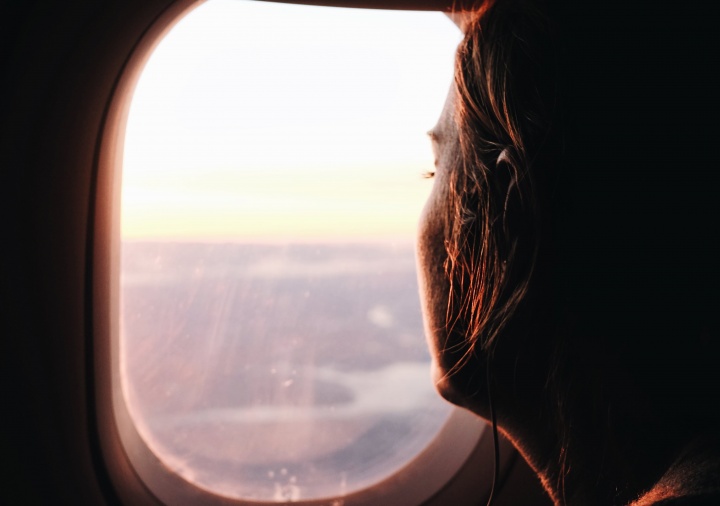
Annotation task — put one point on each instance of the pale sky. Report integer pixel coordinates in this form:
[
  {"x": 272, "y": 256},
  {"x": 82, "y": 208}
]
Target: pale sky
[{"x": 257, "y": 121}]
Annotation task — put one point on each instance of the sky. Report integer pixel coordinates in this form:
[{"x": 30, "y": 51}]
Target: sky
[{"x": 256, "y": 121}]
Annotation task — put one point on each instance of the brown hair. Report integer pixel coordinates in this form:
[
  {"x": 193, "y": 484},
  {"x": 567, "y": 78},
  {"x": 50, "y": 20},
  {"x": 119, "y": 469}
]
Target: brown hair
[
  {"x": 505, "y": 97},
  {"x": 630, "y": 250}
]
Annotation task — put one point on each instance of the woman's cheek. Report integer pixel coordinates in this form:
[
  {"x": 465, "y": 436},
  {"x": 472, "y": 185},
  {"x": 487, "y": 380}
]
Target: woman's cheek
[{"x": 432, "y": 279}]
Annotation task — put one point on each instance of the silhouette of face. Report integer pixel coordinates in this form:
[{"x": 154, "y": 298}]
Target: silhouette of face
[{"x": 431, "y": 253}]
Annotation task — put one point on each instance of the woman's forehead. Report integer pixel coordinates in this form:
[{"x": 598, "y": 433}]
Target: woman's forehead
[{"x": 445, "y": 125}]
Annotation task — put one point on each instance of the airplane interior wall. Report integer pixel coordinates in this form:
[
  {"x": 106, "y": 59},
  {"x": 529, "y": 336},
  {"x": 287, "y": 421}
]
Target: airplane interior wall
[{"x": 60, "y": 61}]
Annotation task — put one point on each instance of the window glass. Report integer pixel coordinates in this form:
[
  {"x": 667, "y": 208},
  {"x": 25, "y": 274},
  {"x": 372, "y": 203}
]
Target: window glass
[{"x": 271, "y": 338}]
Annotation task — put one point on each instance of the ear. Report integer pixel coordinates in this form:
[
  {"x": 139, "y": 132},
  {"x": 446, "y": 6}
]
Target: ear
[
  {"x": 506, "y": 167},
  {"x": 503, "y": 157},
  {"x": 507, "y": 178}
]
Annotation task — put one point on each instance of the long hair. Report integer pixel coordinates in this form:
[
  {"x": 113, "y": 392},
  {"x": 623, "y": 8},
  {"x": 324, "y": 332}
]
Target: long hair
[
  {"x": 504, "y": 117},
  {"x": 631, "y": 246},
  {"x": 509, "y": 136}
]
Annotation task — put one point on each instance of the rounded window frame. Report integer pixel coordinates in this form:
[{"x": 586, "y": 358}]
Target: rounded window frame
[{"x": 448, "y": 469}]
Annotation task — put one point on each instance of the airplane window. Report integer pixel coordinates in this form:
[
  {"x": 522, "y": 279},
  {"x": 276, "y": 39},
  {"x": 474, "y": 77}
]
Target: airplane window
[{"x": 271, "y": 338}]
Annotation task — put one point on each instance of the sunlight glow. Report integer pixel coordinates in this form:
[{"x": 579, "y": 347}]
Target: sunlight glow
[
  {"x": 250, "y": 125},
  {"x": 271, "y": 338}
]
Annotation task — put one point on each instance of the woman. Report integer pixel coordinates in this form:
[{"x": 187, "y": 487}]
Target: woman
[{"x": 568, "y": 252}]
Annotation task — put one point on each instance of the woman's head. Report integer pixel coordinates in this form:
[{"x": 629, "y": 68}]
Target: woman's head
[
  {"x": 566, "y": 252},
  {"x": 481, "y": 229}
]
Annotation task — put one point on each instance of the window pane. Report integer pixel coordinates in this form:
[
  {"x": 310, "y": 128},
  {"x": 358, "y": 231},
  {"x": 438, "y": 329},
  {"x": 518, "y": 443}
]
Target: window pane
[{"x": 271, "y": 337}]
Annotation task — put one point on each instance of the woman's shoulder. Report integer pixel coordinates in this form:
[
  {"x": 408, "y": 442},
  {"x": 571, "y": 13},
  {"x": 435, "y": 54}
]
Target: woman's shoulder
[
  {"x": 694, "y": 479},
  {"x": 711, "y": 499}
]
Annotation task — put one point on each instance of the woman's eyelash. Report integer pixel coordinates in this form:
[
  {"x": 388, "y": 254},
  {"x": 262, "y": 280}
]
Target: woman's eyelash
[{"x": 428, "y": 174}]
